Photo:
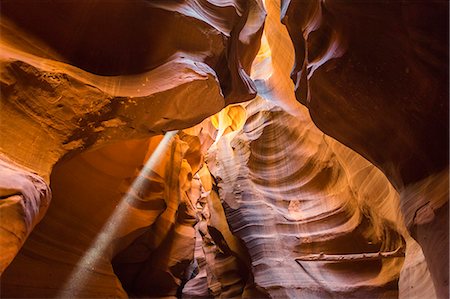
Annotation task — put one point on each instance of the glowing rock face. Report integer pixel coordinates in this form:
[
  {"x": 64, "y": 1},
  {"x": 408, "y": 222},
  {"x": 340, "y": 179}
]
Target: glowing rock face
[
  {"x": 24, "y": 200},
  {"x": 66, "y": 89},
  {"x": 374, "y": 75},
  {"x": 254, "y": 201},
  {"x": 288, "y": 196}
]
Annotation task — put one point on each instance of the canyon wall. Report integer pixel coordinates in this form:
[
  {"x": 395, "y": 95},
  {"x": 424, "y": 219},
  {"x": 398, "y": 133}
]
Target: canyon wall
[
  {"x": 331, "y": 183},
  {"x": 76, "y": 76},
  {"x": 374, "y": 75}
]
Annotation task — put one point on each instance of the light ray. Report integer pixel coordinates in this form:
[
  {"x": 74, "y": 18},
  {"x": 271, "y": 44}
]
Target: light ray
[{"x": 97, "y": 251}]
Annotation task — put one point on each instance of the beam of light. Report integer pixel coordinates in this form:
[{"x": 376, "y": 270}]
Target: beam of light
[{"x": 86, "y": 266}]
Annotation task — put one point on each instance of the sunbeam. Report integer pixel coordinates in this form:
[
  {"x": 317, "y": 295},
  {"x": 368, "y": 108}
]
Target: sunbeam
[{"x": 97, "y": 251}]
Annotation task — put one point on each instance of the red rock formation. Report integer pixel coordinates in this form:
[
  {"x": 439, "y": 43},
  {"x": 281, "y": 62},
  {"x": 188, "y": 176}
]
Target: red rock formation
[
  {"x": 375, "y": 76},
  {"x": 287, "y": 196},
  {"x": 151, "y": 210},
  {"x": 76, "y": 76},
  {"x": 85, "y": 193},
  {"x": 24, "y": 196},
  {"x": 372, "y": 71},
  {"x": 253, "y": 202},
  {"x": 155, "y": 263}
]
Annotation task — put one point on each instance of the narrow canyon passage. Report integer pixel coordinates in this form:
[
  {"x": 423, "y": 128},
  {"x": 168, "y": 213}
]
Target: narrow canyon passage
[{"x": 224, "y": 149}]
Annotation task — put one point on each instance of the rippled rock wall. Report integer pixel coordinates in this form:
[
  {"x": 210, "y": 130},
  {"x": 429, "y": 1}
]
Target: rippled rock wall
[
  {"x": 79, "y": 75},
  {"x": 242, "y": 198},
  {"x": 374, "y": 75}
]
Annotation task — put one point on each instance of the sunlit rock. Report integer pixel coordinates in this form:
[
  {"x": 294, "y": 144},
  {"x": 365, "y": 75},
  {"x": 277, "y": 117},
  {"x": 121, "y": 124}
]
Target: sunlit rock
[{"x": 224, "y": 149}]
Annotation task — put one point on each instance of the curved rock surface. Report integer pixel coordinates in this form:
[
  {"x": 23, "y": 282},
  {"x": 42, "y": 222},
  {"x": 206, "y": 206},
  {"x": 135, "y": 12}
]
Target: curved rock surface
[
  {"x": 252, "y": 200},
  {"x": 57, "y": 247},
  {"x": 288, "y": 197},
  {"x": 78, "y": 212},
  {"x": 23, "y": 196},
  {"x": 64, "y": 90},
  {"x": 356, "y": 61},
  {"x": 374, "y": 75}
]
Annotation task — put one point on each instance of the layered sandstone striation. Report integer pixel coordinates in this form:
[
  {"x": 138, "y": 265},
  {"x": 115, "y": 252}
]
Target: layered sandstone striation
[
  {"x": 296, "y": 211},
  {"x": 356, "y": 61},
  {"x": 184, "y": 160},
  {"x": 374, "y": 75},
  {"x": 76, "y": 76},
  {"x": 158, "y": 208}
]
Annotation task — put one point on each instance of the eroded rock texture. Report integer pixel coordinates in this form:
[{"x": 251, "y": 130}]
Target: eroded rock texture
[
  {"x": 56, "y": 247},
  {"x": 288, "y": 197},
  {"x": 356, "y": 60},
  {"x": 85, "y": 193},
  {"x": 78, "y": 75},
  {"x": 24, "y": 196},
  {"x": 374, "y": 75},
  {"x": 241, "y": 199}
]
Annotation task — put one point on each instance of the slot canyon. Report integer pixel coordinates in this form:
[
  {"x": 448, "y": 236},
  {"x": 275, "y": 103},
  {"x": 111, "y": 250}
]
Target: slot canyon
[{"x": 224, "y": 149}]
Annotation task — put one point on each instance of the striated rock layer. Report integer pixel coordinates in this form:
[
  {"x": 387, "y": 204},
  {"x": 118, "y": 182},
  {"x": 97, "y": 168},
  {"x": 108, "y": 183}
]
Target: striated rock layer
[
  {"x": 374, "y": 75},
  {"x": 80, "y": 211},
  {"x": 85, "y": 193},
  {"x": 372, "y": 71},
  {"x": 24, "y": 199},
  {"x": 312, "y": 223},
  {"x": 254, "y": 201},
  {"x": 79, "y": 75}
]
